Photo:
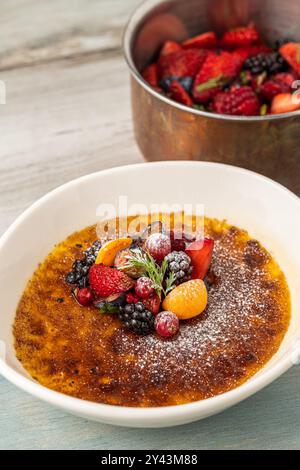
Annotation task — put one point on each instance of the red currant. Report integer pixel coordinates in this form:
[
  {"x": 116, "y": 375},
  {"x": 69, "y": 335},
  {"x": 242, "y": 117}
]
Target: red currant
[
  {"x": 166, "y": 324},
  {"x": 144, "y": 288},
  {"x": 131, "y": 298},
  {"x": 158, "y": 246},
  {"x": 84, "y": 296}
]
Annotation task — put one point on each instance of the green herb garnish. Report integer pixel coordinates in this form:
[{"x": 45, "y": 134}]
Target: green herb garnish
[
  {"x": 212, "y": 83},
  {"x": 163, "y": 283}
]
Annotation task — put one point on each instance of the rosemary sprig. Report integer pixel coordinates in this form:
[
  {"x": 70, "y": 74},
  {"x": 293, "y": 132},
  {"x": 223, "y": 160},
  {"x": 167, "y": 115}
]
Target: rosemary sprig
[{"x": 144, "y": 262}]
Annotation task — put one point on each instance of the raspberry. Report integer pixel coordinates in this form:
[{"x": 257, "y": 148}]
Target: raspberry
[
  {"x": 106, "y": 281},
  {"x": 84, "y": 296},
  {"x": 237, "y": 102},
  {"x": 144, "y": 287},
  {"x": 137, "y": 318},
  {"x": 179, "y": 263},
  {"x": 158, "y": 246},
  {"x": 166, "y": 324}
]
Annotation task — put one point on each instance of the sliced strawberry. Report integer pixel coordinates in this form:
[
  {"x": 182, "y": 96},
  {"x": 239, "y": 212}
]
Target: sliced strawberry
[
  {"x": 169, "y": 47},
  {"x": 152, "y": 304},
  {"x": 178, "y": 93},
  {"x": 185, "y": 63},
  {"x": 240, "y": 37},
  {"x": 200, "y": 253},
  {"x": 106, "y": 281},
  {"x": 205, "y": 40},
  {"x": 285, "y": 103},
  {"x": 239, "y": 101},
  {"x": 215, "y": 72},
  {"x": 291, "y": 53},
  {"x": 150, "y": 75}
]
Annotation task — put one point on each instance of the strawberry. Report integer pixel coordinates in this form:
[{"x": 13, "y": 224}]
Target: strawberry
[
  {"x": 205, "y": 40},
  {"x": 240, "y": 101},
  {"x": 214, "y": 73},
  {"x": 152, "y": 304},
  {"x": 291, "y": 53},
  {"x": 240, "y": 37},
  {"x": 285, "y": 103},
  {"x": 279, "y": 83},
  {"x": 169, "y": 47},
  {"x": 150, "y": 75},
  {"x": 200, "y": 253},
  {"x": 178, "y": 93},
  {"x": 106, "y": 281},
  {"x": 185, "y": 63}
]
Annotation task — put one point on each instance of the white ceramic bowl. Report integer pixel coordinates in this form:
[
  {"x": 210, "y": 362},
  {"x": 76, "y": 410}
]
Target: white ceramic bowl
[{"x": 267, "y": 210}]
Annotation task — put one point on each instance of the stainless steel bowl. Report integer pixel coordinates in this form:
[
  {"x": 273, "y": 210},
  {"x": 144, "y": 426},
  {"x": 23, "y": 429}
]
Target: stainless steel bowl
[{"x": 166, "y": 130}]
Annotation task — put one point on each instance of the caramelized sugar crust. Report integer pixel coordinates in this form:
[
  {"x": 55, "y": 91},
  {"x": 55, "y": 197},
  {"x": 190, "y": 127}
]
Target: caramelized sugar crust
[{"x": 80, "y": 352}]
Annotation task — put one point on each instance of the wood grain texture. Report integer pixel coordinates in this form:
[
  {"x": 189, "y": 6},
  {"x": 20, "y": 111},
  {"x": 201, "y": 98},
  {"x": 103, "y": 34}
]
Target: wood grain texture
[{"x": 68, "y": 114}]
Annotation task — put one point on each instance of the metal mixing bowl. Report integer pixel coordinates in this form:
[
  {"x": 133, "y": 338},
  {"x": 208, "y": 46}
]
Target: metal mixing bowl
[{"x": 166, "y": 130}]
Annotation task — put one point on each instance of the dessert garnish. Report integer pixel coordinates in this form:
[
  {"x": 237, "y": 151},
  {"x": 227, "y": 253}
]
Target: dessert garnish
[
  {"x": 151, "y": 281},
  {"x": 236, "y": 74}
]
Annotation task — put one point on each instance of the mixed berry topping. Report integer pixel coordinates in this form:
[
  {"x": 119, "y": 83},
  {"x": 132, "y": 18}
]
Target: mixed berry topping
[
  {"x": 234, "y": 74},
  {"x": 151, "y": 281}
]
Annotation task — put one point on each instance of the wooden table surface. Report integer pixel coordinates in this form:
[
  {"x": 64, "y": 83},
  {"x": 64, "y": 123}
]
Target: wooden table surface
[{"x": 68, "y": 114}]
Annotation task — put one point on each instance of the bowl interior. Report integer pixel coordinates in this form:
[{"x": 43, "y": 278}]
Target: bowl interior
[
  {"x": 156, "y": 21},
  {"x": 268, "y": 211}
]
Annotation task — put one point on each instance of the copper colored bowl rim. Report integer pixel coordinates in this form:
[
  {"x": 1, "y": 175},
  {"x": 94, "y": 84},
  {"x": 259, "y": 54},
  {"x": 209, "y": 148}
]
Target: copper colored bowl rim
[{"x": 135, "y": 19}]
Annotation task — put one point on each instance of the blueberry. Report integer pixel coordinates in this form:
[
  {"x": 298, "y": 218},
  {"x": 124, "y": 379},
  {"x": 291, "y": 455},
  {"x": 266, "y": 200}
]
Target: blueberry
[
  {"x": 166, "y": 82},
  {"x": 186, "y": 83}
]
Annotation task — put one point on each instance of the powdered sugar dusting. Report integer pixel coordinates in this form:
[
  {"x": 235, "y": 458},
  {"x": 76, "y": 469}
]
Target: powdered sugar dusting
[{"x": 214, "y": 348}]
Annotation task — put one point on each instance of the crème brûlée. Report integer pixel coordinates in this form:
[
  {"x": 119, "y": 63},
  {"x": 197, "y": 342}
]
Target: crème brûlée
[{"x": 81, "y": 352}]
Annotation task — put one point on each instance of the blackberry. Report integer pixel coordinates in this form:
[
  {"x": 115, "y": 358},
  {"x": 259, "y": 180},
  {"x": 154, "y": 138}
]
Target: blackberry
[
  {"x": 137, "y": 318},
  {"x": 271, "y": 62},
  {"x": 179, "y": 263},
  {"x": 80, "y": 269},
  {"x": 281, "y": 42}
]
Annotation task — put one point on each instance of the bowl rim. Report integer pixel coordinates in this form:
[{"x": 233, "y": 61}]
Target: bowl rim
[
  {"x": 139, "y": 13},
  {"x": 122, "y": 415}
]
